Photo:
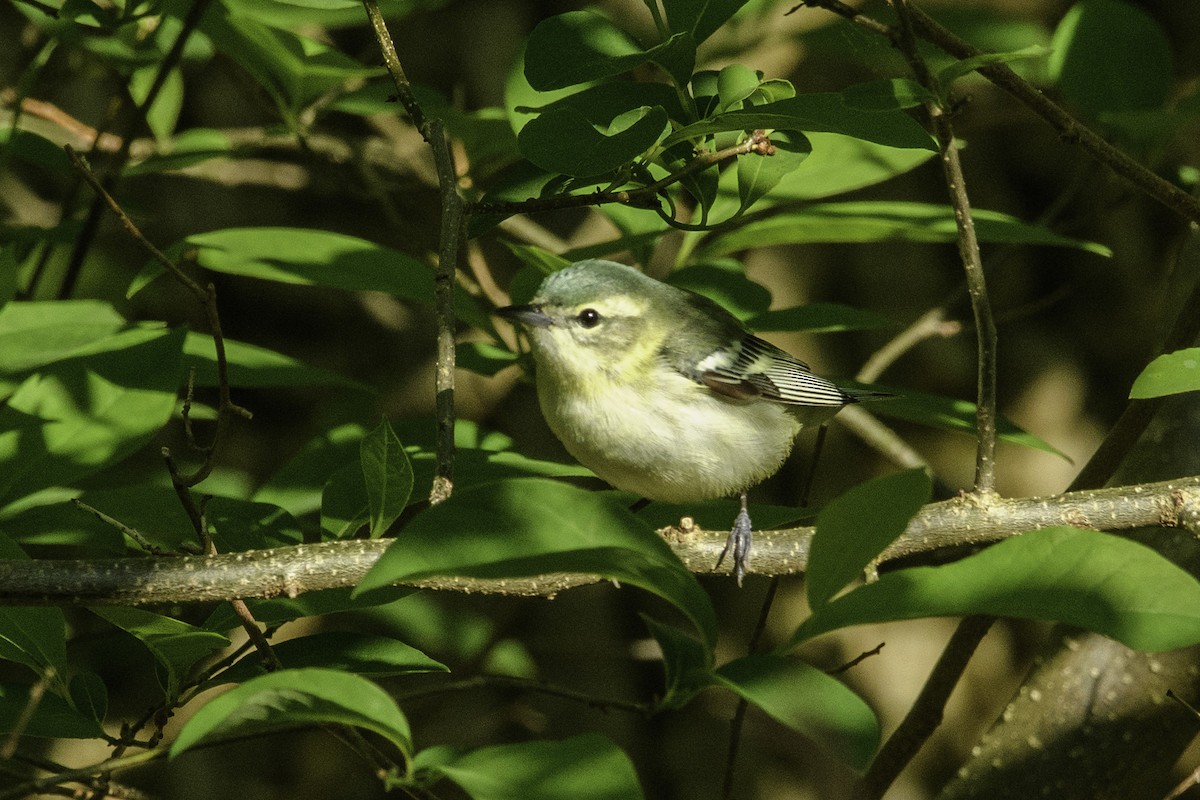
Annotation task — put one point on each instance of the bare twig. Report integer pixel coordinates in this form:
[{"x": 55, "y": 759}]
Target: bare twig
[
  {"x": 968, "y": 248},
  {"x": 132, "y": 533},
  {"x": 527, "y": 685},
  {"x": 926, "y": 713},
  {"x": 739, "y": 715},
  {"x": 454, "y": 216},
  {"x": 36, "y": 692},
  {"x": 270, "y": 661},
  {"x": 858, "y": 659},
  {"x": 83, "y": 242},
  {"x": 207, "y": 296}
]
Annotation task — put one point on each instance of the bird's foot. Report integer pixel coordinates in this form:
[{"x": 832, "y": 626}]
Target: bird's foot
[{"x": 738, "y": 545}]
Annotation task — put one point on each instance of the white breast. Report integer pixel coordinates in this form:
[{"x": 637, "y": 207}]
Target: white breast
[{"x": 677, "y": 443}]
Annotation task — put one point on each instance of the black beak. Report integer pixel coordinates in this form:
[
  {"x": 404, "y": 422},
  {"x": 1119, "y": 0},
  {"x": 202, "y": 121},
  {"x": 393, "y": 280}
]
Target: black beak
[{"x": 530, "y": 316}]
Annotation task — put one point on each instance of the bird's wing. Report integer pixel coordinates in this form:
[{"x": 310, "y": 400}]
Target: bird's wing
[{"x": 755, "y": 368}]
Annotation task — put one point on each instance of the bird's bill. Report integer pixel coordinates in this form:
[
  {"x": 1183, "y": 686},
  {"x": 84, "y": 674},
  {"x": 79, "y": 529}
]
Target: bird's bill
[{"x": 529, "y": 315}]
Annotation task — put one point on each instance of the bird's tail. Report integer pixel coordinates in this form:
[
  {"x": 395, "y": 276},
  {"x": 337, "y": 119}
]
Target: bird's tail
[{"x": 867, "y": 395}]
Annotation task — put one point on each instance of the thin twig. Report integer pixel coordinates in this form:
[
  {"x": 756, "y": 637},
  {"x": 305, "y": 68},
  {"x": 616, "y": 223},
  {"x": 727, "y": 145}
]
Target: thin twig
[
  {"x": 207, "y": 296},
  {"x": 270, "y": 661},
  {"x": 968, "y": 248},
  {"x": 926, "y": 713},
  {"x": 931, "y": 324},
  {"x": 527, "y": 685},
  {"x": 87, "y": 236},
  {"x": 858, "y": 659},
  {"x": 132, "y": 533},
  {"x": 454, "y": 215},
  {"x": 36, "y": 692},
  {"x": 391, "y": 60},
  {"x": 738, "y": 722}
]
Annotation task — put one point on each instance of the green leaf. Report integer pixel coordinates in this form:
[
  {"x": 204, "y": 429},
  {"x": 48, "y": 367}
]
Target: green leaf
[
  {"x": 314, "y": 258},
  {"x": 1170, "y": 373},
  {"x": 39, "y": 333},
  {"x": 563, "y": 140},
  {"x": 176, "y": 645},
  {"x": 358, "y": 653},
  {"x": 814, "y": 112},
  {"x": 292, "y": 69},
  {"x": 253, "y": 366},
  {"x": 807, "y": 700},
  {"x": 539, "y": 258},
  {"x": 298, "y": 485},
  {"x": 587, "y": 767},
  {"x": 388, "y": 477},
  {"x": 949, "y": 414},
  {"x": 293, "y": 698},
  {"x": 89, "y": 695},
  {"x": 855, "y": 527},
  {"x": 162, "y": 116},
  {"x": 524, "y": 527},
  {"x": 604, "y": 102},
  {"x": 241, "y": 525},
  {"x": 344, "y": 506},
  {"x": 885, "y": 221},
  {"x": 949, "y": 74},
  {"x": 734, "y": 84},
  {"x": 818, "y": 318},
  {"x": 887, "y": 95},
  {"x": 1110, "y": 55},
  {"x": 53, "y": 717},
  {"x": 583, "y": 46},
  {"x": 78, "y": 416},
  {"x": 687, "y": 662},
  {"x": 187, "y": 149},
  {"x": 840, "y": 163},
  {"x": 33, "y": 149},
  {"x": 725, "y": 283},
  {"x": 483, "y": 358},
  {"x": 37, "y": 638},
  {"x": 1092, "y": 580},
  {"x": 760, "y": 174},
  {"x": 700, "y": 18}
]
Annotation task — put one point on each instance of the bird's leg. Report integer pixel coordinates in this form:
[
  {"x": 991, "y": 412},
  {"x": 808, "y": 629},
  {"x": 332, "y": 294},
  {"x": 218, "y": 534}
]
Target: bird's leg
[{"x": 739, "y": 542}]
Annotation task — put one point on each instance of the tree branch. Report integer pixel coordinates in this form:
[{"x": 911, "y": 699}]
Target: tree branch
[
  {"x": 942, "y": 528},
  {"x": 1069, "y": 128}
]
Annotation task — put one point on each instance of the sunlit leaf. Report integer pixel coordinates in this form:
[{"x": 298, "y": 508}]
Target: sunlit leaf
[
  {"x": 588, "y": 767},
  {"x": 807, "y": 700},
  {"x": 176, "y": 645},
  {"x": 1170, "y": 373},
  {"x": 855, "y": 527},
  {"x": 1096, "y": 581},
  {"x": 293, "y": 698},
  {"x": 526, "y": 527}
]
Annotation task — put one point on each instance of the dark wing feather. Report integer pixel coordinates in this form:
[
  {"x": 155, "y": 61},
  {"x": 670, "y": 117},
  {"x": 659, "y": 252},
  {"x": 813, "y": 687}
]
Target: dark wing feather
[{"x": 760, "y": 369}]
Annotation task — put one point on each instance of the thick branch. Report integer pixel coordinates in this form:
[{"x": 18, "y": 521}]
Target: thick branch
[{"x": 291, "y": 571}]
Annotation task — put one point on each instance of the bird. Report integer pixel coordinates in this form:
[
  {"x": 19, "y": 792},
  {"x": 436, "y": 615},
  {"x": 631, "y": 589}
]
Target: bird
[{"x": 664, "y": 393}]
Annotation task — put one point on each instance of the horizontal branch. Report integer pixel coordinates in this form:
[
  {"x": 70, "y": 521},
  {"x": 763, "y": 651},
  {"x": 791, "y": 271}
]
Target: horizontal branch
[{"x": 291, "y": 571}]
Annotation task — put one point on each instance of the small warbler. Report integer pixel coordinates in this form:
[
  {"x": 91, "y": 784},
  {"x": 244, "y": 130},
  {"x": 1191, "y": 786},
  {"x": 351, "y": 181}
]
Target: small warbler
[{"x": 664, "y": 393}]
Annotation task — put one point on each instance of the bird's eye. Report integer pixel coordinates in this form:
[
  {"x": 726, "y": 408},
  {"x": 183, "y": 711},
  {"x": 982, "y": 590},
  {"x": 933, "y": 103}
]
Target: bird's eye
[{"x": 589, "y": 318}]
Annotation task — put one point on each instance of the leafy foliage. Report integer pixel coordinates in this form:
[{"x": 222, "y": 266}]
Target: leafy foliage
[{"x": 696, "y": 163}]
